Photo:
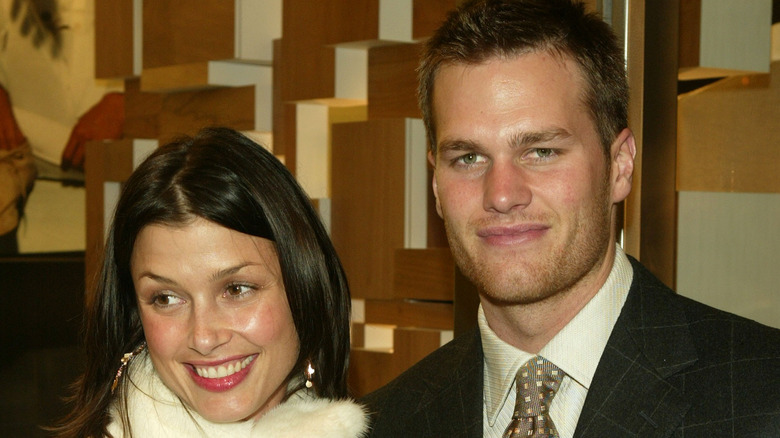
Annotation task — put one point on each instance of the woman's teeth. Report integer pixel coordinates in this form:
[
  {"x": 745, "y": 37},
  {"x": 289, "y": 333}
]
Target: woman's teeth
[{"x": 224, "y": 370}]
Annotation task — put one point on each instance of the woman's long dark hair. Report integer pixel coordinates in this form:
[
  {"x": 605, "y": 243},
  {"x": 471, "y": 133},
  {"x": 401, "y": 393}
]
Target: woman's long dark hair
[{"x": 224, "y": 177}]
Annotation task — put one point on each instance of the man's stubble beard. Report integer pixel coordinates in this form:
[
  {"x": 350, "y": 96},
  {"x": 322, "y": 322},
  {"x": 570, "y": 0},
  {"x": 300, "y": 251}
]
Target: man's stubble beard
[{"x": 555, "y": 272}]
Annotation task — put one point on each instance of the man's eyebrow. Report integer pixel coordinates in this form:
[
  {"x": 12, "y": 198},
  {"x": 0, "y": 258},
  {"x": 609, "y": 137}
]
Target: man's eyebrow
[
  {"x": 524, "y": 139},
  {"x": 457, "y": 146}
]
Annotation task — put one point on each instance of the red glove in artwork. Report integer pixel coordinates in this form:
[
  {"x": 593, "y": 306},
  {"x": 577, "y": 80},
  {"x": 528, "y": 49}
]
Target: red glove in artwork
[
  {"x": 11, "y": 136},
  {"x": 104, "y": 121}
]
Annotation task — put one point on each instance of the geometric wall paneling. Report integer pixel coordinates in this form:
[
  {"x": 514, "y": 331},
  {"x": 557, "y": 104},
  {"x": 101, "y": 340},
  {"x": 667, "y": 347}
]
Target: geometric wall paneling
[
  {"x": 410, "y": 313},
  {"x": 379, "y": 189},
  {"x": 409, "y": 20},
  {"x": 177, "y": 34},
  {"x": 392, "y": 81},
  {"x": 174, "y": 33},
  {"x": 428, "y": 16},
  {"x": 728, "y": 248},
  {"x": 424, "y": 274},
  {"x": 351, "y": 71},
  {"x": 309, "y": 31},
  {"x": 189, "y": 111},
  {"x": 117, "y": 23},
  {"x": 370, "y": 368},
  {"x": 202, "y": 75},
  {"x": 728, "y": 135},
  {"x": 109, "y": 164},
  {"x": 141, "y": 111},
  {"x": 724, "y": 37},
  {"x": 313, "y": 140}
]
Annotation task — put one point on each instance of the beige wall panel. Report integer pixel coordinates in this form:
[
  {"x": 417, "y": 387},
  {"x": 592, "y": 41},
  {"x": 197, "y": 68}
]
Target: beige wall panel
[
  {"x": 368, "y": 201},
  {"x": 113, "y": 39},
  {"x": 176, "y": 32},
  {"x": 392, "y": 81},
  {"x": 724, "y": 37},
  {"x": 728, "y": 252},
  {"x": 728, "y": 135}
]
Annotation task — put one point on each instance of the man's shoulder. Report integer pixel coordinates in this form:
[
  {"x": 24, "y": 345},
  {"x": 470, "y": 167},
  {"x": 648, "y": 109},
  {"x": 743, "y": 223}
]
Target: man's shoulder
[
  {"x": 702, "y": 320},
  {"x": 450, "y": 374},
  {"x": 442, "y": 367}
]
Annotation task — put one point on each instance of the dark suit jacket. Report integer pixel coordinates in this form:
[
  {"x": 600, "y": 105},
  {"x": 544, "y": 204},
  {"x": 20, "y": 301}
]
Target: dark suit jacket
[{"x": 672, "y": 368}]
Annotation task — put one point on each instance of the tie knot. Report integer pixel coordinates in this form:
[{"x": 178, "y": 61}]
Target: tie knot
[{"x": 537, "y": 381}]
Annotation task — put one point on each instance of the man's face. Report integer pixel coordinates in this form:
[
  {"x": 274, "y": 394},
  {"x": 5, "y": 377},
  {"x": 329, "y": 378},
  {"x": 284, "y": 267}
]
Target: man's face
[{"x": 521, "y": 179}]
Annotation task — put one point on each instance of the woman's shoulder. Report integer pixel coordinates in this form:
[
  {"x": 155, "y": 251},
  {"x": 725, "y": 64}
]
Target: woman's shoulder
[{"x": 308, "y": 416}]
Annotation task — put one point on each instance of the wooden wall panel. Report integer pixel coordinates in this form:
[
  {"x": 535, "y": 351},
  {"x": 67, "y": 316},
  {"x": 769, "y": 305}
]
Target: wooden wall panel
[
  {"x": 188, "y": 112},
  {"x": 141, "y": 111},
  {"x": 371, "y": 369},
  {"x": 368, "y": 201},
  {"x": 178, "y": 77},
  {"x": 427, "y": 16},
  {"x": 410, "y": 313},
  {"x": 104, "y": 161},
  {"x": 392, "y": 81},
  {"x": 113, "y": 39},
  {"x": 176, "y": 33},
  {"x": 424, "y": 274},
  {"x": 309, "y": 29}
]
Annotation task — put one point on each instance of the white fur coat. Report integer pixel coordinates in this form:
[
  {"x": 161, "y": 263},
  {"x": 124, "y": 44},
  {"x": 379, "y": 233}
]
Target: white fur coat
[{"x": 156, "y": 412}]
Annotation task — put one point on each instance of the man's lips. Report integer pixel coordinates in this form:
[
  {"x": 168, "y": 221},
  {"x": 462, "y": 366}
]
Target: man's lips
[{"x": 507, "y": 235}]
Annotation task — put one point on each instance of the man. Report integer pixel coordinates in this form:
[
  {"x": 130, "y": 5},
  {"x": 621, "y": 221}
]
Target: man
[{"x": 525, "y": 102}]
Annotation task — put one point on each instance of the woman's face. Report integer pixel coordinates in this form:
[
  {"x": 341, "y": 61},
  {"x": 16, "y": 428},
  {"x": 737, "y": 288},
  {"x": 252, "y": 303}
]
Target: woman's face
[{"x": 216, "y": 318}]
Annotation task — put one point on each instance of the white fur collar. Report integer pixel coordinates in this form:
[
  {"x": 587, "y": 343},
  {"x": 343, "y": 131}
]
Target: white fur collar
[{"x": 156, "y": 412}]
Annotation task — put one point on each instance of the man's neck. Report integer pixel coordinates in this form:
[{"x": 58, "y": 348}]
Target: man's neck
[{"x": 531, "y": 326}]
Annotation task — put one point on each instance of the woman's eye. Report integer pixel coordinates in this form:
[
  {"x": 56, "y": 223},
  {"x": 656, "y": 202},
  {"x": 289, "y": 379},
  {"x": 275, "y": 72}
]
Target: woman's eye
[
  {"x": 238, "y": 290},
  {"x": 165, "y": 300}
]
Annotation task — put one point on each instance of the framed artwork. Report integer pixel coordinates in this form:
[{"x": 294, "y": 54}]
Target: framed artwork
[{"x": 50, "y": 105}]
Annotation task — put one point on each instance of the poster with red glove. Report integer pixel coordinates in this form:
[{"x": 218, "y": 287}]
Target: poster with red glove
[{"x": 50, "y": 106}]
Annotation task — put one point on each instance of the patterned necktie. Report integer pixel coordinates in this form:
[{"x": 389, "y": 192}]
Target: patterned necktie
[{"x": 537, "y": 382}]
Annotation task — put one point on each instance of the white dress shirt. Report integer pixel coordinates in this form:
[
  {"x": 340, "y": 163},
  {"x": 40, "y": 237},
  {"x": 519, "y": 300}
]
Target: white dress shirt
[{"x": 576, "y": 350}]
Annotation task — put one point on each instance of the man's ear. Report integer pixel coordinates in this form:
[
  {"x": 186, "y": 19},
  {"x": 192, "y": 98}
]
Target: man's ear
[
  {"x": 622, "y": 155},
  {"x": 432, "y": 161}
]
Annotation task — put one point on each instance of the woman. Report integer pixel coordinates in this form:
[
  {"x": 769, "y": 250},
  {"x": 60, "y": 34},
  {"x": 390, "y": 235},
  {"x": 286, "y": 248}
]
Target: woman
[{"x": 222, "y": 308}]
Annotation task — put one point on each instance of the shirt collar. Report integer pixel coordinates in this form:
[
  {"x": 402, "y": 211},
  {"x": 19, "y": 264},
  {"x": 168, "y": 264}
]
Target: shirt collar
[{"x": 576, "y": 349}]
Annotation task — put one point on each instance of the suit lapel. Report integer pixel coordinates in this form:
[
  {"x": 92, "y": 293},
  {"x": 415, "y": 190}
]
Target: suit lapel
[
  {"x": 632, "y": 393},
  {"x": 451, "y": 401}
]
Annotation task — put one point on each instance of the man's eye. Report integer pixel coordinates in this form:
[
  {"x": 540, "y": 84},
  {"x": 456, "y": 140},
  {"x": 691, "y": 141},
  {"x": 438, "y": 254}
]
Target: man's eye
[
  {"x": 469, "y": 158},
  {"x": 544, "y": 153}
]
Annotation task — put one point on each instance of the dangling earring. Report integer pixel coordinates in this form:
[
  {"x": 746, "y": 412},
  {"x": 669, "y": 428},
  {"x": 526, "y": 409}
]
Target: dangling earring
[
  {"x": 125, "y": 360},
  {"x": 308, "y": 373}
]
